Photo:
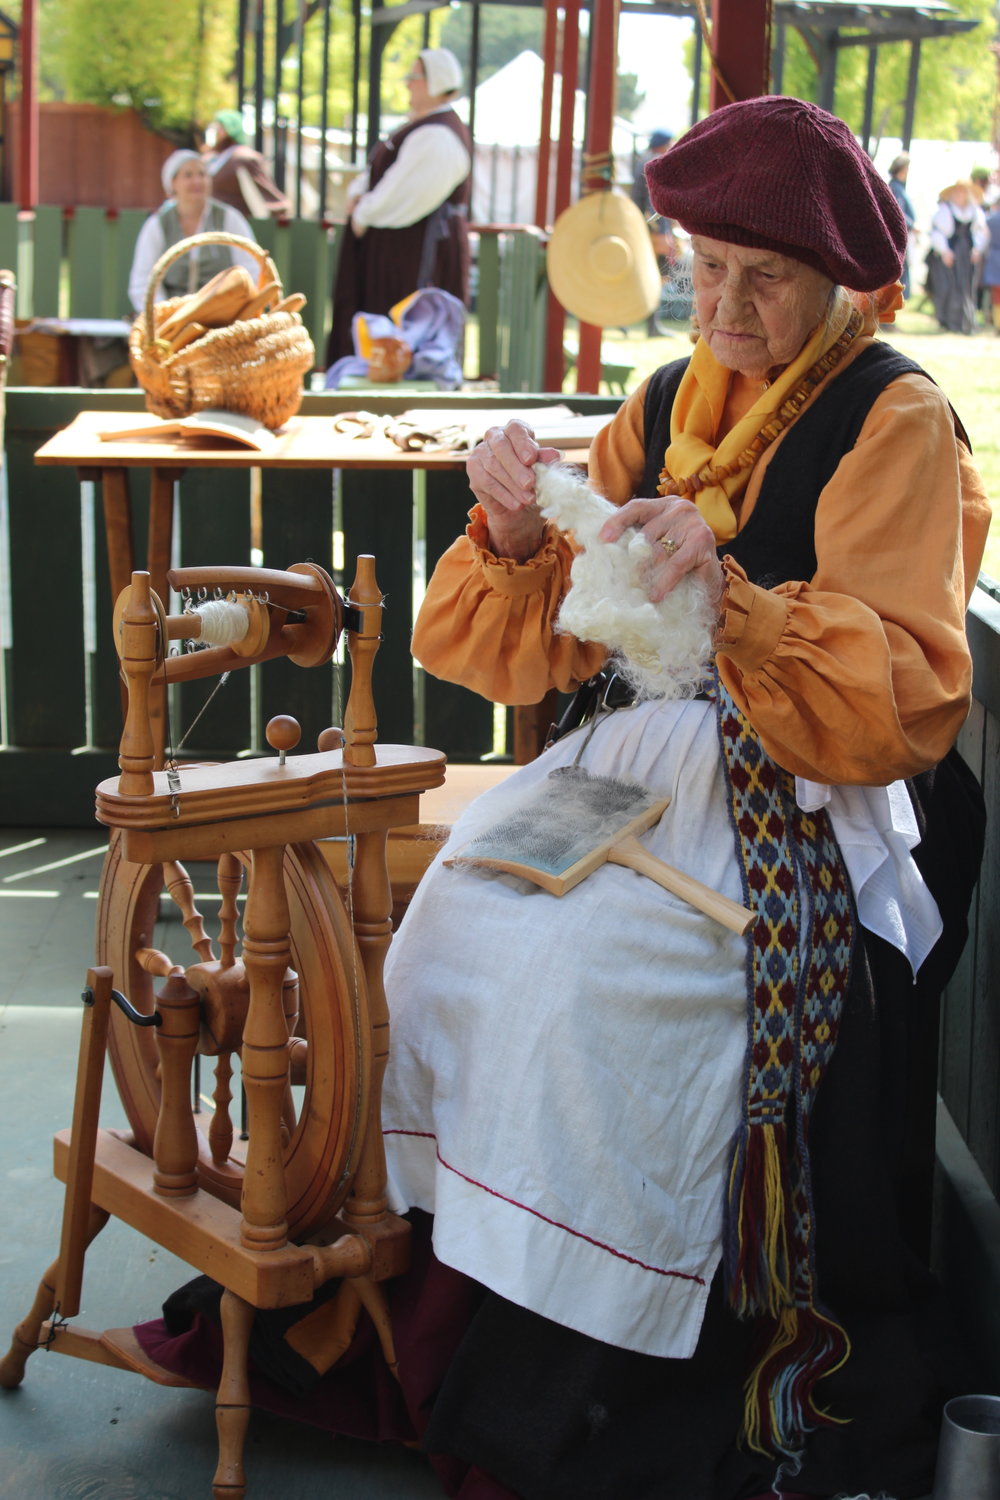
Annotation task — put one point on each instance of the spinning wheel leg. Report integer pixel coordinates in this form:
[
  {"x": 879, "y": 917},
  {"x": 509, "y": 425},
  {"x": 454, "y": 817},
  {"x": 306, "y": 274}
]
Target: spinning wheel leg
[
  {"x": 26, "y": 1334},
  {"x": 232, "y": 1408}
]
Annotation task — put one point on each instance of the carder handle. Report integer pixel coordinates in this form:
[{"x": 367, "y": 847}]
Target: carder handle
[{"x": 635, "y": 856}]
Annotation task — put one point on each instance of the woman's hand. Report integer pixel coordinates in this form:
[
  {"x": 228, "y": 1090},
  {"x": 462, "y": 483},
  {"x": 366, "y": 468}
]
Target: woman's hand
[
  {"x": 501, "y": 472},
  {"x": 671, "y": 519}
]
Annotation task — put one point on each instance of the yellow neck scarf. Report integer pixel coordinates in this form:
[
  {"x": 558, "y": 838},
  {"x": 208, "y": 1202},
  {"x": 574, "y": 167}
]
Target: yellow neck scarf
[{"x": 697, "y": 415}]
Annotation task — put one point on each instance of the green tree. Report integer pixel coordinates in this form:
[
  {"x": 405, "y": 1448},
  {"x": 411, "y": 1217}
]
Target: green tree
[
  {"x": 507, "y": 30},
  {"x": 168, "y": 62},
  {"x": 957, "y": 83}
]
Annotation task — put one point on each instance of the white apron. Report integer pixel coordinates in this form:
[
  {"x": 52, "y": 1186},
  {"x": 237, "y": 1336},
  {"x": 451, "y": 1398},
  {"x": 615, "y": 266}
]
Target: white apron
[{"x": 565, "y": 1072}]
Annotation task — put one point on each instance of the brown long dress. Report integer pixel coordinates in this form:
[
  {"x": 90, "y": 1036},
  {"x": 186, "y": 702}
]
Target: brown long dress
[{"x": 386, "y": 265}]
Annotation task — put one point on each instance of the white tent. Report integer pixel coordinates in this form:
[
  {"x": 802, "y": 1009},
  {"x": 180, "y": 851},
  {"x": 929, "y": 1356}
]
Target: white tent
[{"x": 508, "y": 126}]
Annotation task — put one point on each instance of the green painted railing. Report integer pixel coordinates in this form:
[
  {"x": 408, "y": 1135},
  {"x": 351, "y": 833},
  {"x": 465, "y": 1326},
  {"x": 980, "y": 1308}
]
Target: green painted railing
[{"x": 75, "y": 263}]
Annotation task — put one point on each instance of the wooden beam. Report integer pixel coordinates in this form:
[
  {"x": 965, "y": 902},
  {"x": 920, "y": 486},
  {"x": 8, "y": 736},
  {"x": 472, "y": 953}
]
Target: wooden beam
[
  {"x": 27, "y": 174},
  {"x": 866, "y": 128},
  {"x": 597, "y": 157},
  {"x": 911, "y": 95},
  {"x": 569, "y": 74},
  {"x": 741, "y": 50}
]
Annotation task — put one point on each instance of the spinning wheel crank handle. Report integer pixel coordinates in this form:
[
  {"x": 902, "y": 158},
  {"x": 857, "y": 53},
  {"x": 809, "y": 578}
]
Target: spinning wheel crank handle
[{"x": 126, "y": 1007}]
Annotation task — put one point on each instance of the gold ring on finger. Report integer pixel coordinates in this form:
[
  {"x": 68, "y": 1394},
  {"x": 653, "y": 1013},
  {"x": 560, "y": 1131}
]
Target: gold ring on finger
[{"x": 669, "y": 545}]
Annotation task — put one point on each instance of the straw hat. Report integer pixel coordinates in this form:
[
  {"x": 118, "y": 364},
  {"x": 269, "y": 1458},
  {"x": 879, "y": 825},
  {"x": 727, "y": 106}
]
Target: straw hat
[{"x": 601, "y": 264}]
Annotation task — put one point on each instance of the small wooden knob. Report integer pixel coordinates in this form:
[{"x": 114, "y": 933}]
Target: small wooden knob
[
  {"x": 283, "y": 732},
  {"x": 330, "y": 739}
]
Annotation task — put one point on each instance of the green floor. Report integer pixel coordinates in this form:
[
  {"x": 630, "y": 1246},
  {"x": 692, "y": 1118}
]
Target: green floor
[{"x": 73, "y": 1430}]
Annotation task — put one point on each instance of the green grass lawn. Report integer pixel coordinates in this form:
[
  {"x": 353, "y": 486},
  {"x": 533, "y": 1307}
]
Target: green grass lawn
[{"x": 966, "y": 368}]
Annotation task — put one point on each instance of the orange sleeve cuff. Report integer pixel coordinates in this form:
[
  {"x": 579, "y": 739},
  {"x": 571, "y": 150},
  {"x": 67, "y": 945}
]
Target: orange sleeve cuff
[
  {"x": 502, "y": 574},
  {"x": 752, "y": 620}
]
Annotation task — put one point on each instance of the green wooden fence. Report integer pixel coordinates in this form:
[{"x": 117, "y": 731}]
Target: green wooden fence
[
  {"x": 60, "y": 697},
  {"x": 75, "y": 263}
]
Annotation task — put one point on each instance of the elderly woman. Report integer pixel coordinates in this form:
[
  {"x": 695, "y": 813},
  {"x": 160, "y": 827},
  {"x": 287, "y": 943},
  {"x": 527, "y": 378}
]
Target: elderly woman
[
  {"x": 654, "y": 1168},
  {"x": 189, "y": 209}
]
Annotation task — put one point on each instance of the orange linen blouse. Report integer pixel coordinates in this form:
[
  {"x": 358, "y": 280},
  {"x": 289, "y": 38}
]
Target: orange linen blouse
[{"x": 860, "y": 674}]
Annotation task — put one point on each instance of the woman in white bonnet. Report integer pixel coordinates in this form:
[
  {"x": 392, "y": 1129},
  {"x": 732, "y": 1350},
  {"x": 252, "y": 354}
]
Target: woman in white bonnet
[{"x": 189, "y": 209}]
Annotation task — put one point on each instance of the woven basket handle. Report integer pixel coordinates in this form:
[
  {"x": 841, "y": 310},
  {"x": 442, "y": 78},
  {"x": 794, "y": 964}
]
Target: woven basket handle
[{"x": 268, "y": 270}]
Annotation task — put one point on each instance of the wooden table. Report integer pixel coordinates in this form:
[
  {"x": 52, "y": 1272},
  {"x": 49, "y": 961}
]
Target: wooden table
[{"x": 305, "y": 443}]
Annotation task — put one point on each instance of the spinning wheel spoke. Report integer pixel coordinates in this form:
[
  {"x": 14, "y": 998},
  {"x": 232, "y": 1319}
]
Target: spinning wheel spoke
[{"x": 181, "y": 892}]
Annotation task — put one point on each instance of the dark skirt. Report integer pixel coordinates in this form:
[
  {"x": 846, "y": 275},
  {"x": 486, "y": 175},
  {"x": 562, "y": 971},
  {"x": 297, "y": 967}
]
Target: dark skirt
[{"x": 508, "y": 1404}]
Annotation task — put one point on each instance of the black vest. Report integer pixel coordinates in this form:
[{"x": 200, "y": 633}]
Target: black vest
[{"x": 778, "y": 542}]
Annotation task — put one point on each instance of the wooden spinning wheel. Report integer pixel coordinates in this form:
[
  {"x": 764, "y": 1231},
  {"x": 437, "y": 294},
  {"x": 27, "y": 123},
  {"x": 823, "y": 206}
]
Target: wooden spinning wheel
[
  {"x": 325, "y": 1006},
  {"x": 289, "y": 998}
]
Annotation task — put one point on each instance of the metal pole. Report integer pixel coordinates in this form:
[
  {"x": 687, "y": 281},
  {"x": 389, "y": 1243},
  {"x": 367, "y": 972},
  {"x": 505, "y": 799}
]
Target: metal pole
[
  {"x": 473, "y": 70},
  {"x": 300, "y": 26},
  {"x": 324, "y": 110},
  {"x": 258, "y": 76},
  {"x": 355, "y": 78},
  {"x": 241, "y": 52},
  {"x": 911, "y": 94},
  {"x": 866, "y": 127}
]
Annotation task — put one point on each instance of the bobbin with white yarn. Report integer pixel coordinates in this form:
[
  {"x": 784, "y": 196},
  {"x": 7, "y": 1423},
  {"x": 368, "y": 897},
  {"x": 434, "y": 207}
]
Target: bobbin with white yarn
[
  {"x": 221, "y": 622},
  {"x": 241, "y": 624}
]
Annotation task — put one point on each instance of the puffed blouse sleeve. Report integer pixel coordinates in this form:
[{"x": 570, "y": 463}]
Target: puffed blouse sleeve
[
  {"x": 487, "y": 622},
  {"x": 862, "y": 674}
]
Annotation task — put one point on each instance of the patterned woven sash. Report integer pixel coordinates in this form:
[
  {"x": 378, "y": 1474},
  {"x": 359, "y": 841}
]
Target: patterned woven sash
[{"x": 798, "y": 970}]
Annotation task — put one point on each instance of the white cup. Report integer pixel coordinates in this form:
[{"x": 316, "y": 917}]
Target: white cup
[{"x": 968, "y": 1461}]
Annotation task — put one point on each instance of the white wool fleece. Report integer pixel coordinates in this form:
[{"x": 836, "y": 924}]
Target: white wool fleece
[{"x": 664, "y": 649}]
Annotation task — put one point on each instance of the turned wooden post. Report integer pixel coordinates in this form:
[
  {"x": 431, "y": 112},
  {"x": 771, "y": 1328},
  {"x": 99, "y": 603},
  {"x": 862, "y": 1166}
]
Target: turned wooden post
[
  {"x": 266, "y": 956},
  {"x": 360, "y": 722},
  {"x": 138, "y": 647},
  {"x": 175, "y": 1143}
]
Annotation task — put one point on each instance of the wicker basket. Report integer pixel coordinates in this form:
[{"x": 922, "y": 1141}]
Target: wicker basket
[{"x": 255, "y": 366}]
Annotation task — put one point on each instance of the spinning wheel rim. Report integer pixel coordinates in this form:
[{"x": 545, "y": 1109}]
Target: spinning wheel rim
[{"x": 323, "y": 1150}]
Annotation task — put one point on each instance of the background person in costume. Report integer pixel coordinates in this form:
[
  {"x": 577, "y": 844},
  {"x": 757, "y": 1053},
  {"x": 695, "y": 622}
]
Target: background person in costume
[
  {"x": 991, "y": 266},
  {"x": 662, "y": 1246},
  {"x": 958, "y": 240},
  {"x": 189, "y": 209},
  {"x": 899, "y": 169},
  {"x": 661, "y": 230},
  {"x": 408, "y": 224},
  {"x": 239, "y": 173}
]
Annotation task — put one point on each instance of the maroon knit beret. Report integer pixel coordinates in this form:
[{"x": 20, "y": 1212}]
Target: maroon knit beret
[{"x": 781, "y": 174}]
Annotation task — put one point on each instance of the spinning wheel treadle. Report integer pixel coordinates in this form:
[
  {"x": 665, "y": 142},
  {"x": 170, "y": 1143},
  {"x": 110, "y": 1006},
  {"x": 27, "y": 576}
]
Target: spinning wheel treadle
[{"x": 326, "y": 1007}]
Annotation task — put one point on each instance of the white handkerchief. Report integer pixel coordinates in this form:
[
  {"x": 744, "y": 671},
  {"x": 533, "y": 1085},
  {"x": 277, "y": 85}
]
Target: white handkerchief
[{"x": 876, "y": 828}]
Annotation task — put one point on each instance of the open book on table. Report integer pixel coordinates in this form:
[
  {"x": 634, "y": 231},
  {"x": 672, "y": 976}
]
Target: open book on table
[{"x": 199, "y": 425}]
